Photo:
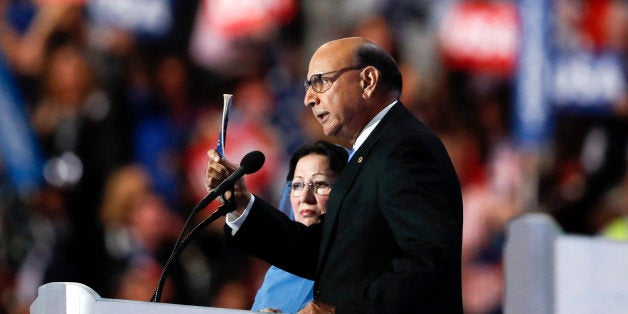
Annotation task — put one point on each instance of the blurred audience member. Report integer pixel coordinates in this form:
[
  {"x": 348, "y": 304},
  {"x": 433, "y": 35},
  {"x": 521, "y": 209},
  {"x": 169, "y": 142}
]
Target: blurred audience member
[
  {"x": 27, "y": 28},
  {"x": 139, "y": 231},
  {"x": 612, "y": 217}
]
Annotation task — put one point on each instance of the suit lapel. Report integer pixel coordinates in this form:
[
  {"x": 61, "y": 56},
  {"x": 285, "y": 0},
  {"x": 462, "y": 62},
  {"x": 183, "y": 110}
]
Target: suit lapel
[{"x": 346, "y": 179}]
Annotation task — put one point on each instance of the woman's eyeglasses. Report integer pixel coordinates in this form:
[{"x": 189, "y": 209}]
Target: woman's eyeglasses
[{"x": 318, "y": 187}]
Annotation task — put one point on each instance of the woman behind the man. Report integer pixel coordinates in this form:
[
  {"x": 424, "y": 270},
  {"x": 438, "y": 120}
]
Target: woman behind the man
[{"x": 313, "y": 170}]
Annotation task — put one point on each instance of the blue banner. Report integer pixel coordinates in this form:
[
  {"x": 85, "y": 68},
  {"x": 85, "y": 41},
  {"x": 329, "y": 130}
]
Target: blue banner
[
  {"x": 19, "y": 150},
  {"x": 532, "y": 113},
  {"x": 148, "y": 20},
  {"x": 587, "y": 82}
]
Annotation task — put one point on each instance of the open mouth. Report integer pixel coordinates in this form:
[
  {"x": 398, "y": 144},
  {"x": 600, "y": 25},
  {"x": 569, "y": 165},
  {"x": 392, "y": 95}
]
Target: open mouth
[{"x": 322, "y": 117}]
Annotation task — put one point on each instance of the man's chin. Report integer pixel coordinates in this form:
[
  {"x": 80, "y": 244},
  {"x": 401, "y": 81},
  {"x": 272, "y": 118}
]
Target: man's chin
[{"x": 330, "y": 131}]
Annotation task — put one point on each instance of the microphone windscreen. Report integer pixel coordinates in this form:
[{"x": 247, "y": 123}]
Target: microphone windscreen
[{"x": 252, "y": 162}]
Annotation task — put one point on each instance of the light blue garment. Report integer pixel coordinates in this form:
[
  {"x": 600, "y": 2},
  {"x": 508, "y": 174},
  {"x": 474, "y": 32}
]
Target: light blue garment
[
  {"x": 284, "y": 203},
  {"x": 281, "y": 289}
]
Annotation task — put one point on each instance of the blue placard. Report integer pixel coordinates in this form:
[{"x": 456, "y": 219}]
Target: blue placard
[
  {"x": 147, "y": 19},
  {"x": 19, "y": 149},
  {"x": 532, "y": 113},
  {"x": 587, "y": 82}
]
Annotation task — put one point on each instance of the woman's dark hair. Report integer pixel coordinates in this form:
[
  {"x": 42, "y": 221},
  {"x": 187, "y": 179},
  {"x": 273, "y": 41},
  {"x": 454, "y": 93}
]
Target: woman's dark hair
[
  {"x": 373, "y": 55},
  {"x": 336, "y": 155}
]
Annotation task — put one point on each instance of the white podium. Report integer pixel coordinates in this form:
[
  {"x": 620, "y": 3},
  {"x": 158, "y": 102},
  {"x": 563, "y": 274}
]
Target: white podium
[
  {"x": 76, "y": 298},
  {"x": 549, "y": 272}
]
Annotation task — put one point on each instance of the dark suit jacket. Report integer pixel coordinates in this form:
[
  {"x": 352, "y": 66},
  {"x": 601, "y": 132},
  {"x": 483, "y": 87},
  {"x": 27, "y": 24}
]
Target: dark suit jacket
[{"x": 390, "y": 241}]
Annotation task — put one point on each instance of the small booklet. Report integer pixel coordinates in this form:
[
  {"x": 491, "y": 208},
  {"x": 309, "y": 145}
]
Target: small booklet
[{"x": 222, "y": 136}]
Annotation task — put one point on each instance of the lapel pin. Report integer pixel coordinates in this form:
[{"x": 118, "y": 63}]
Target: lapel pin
[{"x": 360, "y": 159}]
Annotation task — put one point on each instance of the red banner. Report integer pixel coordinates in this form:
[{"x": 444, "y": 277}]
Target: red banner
[
  {"x": 232, "y": 18},
  {"x": 480, "y": 36}
]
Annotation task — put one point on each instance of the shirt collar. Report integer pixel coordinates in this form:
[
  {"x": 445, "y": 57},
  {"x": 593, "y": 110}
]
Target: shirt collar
[{"x": 368, "y": 129}]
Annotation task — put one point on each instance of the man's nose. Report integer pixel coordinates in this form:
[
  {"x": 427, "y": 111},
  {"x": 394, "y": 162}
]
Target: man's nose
[{"x": 310, "y": 98}]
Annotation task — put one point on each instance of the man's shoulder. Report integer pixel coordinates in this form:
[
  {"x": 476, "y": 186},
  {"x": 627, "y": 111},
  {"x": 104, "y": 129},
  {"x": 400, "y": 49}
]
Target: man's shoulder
[
  {"x": 399, "y": 128},
  {"x": 406, "y": 127},
  {"x": 400, "y": 118}
]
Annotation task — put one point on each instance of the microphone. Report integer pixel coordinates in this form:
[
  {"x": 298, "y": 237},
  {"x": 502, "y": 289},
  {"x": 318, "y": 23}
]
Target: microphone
[{"x": 251, "y": 163}]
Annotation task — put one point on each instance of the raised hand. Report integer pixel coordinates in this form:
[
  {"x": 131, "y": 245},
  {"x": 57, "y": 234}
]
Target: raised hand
[{"x": 218, "y": 169}]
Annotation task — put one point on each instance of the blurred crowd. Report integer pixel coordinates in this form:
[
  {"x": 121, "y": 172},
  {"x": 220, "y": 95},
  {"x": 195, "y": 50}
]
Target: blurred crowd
[{"x": 123, "y": 99}]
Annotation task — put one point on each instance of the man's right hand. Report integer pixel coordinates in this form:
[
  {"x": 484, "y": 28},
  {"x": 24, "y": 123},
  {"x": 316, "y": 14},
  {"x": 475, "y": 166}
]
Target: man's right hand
[{"x": 218, "y": 169}]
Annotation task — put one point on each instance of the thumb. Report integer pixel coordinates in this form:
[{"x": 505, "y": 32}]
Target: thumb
[{"x": 212, "y": 154}]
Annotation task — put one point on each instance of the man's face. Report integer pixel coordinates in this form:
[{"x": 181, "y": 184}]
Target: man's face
[{"x": 337, "y": 109}]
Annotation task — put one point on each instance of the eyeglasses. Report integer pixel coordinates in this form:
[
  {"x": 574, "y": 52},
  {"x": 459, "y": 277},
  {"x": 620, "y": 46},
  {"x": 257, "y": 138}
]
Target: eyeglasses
[
  {"x": 319, "y": 187},
  {"x": 321, "y": 83}
]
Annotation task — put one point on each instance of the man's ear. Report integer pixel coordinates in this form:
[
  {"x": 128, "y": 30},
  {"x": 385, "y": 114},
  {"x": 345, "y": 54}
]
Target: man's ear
[{"x": 370, "y": 77}]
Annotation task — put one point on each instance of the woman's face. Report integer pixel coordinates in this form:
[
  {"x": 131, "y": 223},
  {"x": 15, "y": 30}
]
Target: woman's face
[{"x": 313, "y": 171}]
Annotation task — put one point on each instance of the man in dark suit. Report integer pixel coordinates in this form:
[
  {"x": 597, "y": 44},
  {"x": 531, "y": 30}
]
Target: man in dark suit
[{"x": 390, "y": 241}]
